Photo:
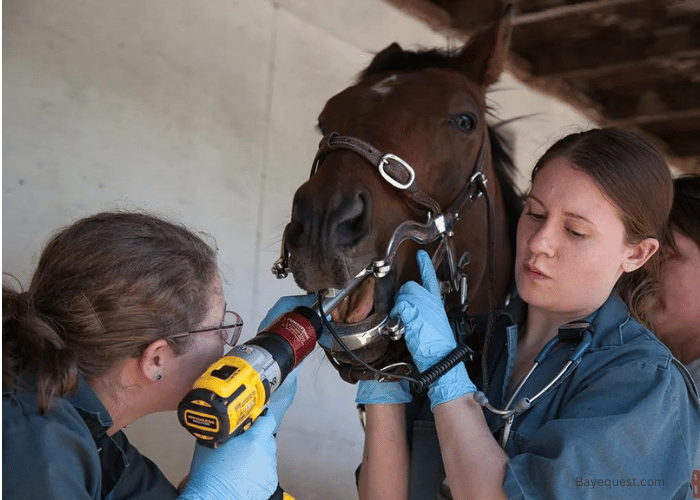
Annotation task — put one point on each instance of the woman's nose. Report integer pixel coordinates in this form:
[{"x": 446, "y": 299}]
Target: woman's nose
[{"x": 543, "y": 241}]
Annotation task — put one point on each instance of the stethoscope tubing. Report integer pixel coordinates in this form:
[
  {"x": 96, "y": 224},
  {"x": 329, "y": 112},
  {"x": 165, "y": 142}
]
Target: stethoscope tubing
[{"x": 508, "y": 413}]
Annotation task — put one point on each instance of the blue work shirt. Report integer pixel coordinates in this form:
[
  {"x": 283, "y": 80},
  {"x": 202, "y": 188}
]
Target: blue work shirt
[
  {"x": 67, "y": 454},
  {"x": 625, "y": 423}
]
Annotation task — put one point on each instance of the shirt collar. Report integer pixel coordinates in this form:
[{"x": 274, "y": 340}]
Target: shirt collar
[
  {"x": 612, "y": 312},
  {"x": 87, "y": 401},
  {"x": 610, "y": 316}
]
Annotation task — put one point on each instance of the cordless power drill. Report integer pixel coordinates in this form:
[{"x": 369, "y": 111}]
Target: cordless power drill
[{"x": 235, "y": 390}]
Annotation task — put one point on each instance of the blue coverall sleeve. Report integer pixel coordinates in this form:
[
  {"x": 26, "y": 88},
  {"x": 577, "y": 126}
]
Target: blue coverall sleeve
[
  {"x": 54, "y": 456},
  {"x": 48, "y": 459},
  {"x": 628, "y": 430}
]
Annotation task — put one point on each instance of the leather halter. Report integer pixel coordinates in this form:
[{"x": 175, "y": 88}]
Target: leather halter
[{"x": 401, "y": 176}]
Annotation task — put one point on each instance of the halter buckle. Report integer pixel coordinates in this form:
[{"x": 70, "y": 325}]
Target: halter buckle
[
  {"x": 398, "y": 185},
  {"x": 479, "y": 189}
]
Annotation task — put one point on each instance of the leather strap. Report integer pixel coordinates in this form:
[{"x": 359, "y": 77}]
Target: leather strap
[{"x": 416, "y": 198}]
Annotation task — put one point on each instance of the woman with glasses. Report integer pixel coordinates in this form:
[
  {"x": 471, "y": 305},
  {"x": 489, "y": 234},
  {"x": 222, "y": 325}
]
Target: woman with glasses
[
  {"x": 123, "y": 313},
  {"x": 676, "y": 315}
]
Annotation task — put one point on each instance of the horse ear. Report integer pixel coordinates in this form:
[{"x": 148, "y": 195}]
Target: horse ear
[
  {"x": 485, "y": 54},
  {"x": 382, "y": 58}
]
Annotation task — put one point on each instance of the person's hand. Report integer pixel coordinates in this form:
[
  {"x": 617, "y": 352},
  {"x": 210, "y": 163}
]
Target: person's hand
[
  {"x": 286, "y": 304},
  {"x": 372, "y": 392},
  {"x": 243, "y": 468},
  {"x": 428, "y": 334},
  {"x": 282, "y": 398}
]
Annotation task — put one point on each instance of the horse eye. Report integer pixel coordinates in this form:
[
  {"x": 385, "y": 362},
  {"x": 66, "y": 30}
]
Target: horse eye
[{"x": 464, "y": 122}]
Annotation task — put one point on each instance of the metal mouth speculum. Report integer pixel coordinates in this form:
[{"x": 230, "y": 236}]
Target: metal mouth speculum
[{"x": 376, "y": 326}]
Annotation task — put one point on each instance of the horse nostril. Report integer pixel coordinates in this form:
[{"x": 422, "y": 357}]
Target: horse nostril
[
  {"x": 348, "y": 219},
  {"x": 302, "y": 216},
  {"x": 353, "y": 219}
]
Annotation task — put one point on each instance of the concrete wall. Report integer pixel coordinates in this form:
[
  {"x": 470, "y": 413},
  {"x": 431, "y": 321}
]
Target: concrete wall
[{"x": 204, "y": 111}]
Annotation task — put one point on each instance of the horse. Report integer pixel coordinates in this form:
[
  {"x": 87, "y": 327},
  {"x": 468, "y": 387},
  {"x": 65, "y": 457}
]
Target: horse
[{"x": 407, "y": 158}]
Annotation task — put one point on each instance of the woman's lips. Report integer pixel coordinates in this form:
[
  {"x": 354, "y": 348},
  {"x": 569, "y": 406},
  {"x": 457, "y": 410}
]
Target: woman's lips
[{"x": 535, "y": 273}]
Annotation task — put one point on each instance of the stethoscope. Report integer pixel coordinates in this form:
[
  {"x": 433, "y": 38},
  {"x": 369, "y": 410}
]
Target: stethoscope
[{"x": 567, "y": 333}]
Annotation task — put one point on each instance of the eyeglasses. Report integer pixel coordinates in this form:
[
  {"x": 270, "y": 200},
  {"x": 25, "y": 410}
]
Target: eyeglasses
[{"x": 230, "y": 329}]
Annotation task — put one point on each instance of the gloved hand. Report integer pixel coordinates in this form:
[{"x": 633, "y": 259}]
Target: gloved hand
[
  {"x": 286, "y": 304},
  {"x": 243, "y": 468},
  {"x": 282, "y": 398},
  {"x": 372, "y": 392},
  {"x": 428, "y": 334}
]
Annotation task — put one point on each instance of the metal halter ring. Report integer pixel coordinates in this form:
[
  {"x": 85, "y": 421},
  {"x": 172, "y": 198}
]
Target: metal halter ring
[{"x": 398, "y": 185}]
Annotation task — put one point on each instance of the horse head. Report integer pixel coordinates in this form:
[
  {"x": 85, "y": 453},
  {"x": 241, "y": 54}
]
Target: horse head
[{"x": 408, "y": 142}]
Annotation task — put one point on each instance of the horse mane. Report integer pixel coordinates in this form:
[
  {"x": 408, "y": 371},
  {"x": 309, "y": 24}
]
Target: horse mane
[
  {"x": 505, "y": 170},
  {"x": 398, "y": 59}
]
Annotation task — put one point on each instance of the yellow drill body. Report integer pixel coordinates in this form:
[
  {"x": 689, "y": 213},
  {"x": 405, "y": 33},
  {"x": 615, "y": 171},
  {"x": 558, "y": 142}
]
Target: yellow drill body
[{"x": 235, "y": 390}]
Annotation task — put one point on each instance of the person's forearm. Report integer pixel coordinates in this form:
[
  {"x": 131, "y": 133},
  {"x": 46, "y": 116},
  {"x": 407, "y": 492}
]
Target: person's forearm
[
  {"x": 384, "y": 472},
  {"x": 474, "y": 462}
]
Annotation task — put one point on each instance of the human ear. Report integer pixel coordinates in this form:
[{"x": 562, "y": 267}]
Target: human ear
[
  {"x": 154, "y": 359},
  {"x": 639, "y": 254}
]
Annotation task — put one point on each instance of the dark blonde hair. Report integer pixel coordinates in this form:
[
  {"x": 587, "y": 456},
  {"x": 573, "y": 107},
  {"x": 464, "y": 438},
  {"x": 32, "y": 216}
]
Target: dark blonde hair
[
  {"x": 104, "y": 289},
  {"x": 635, "y": 177}
]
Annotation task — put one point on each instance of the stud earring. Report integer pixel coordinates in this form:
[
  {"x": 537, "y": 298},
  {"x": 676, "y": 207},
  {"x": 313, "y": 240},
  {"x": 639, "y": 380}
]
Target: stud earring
[{"x": 159, "y": 376}]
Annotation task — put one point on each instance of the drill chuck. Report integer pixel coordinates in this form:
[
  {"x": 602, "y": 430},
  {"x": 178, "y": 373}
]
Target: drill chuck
[{"x": 236, "y": 389}]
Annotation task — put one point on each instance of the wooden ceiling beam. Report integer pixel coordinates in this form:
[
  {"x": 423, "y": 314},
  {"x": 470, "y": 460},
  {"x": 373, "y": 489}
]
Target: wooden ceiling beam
[
  {"x": 686, "y": 164},
  {"x": 645, "y": 119},
  {"x": 567, "y": 10},
  {"x": 625, "y": 102},
  {"x": 684, "y": 147},
  {"x": 611, "y": 67}
]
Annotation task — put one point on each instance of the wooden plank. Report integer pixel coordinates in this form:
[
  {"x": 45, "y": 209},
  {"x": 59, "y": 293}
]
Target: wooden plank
[
  {"x": 567, "y": 10},
  {"x": 609, "y": 68},
  {"x": 645, "y": 119},
  {"x": 661, "y": 96}
]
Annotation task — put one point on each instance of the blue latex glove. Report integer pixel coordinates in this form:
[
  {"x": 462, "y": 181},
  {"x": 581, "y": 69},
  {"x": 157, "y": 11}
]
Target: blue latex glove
[
  {"x": 286, "y": 304},
  {"x": 243, "y": 468},
  {"x": 282, "y": 398},
  {"x": 372, "y": 392},
  {"x": 428, "y": 335}
]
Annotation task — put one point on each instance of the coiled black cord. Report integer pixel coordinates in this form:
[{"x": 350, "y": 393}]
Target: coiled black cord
[{"x": 436, "y": 371}]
